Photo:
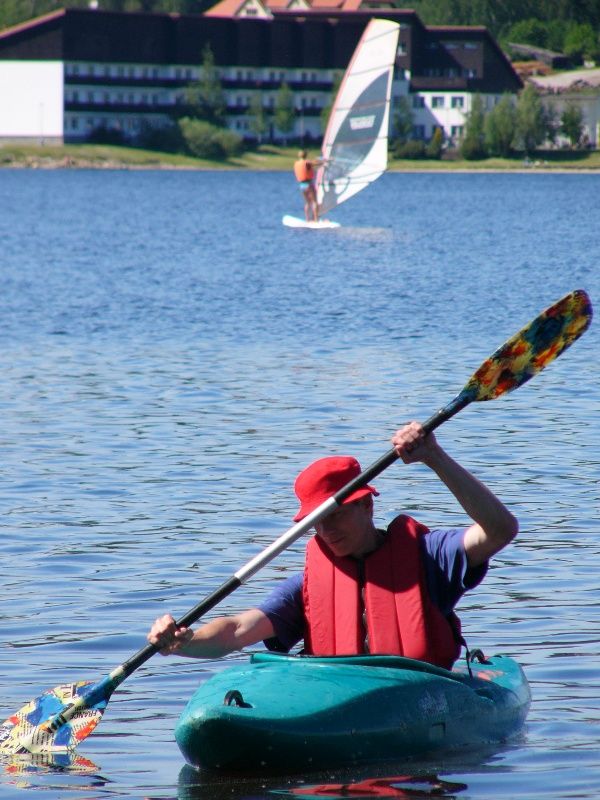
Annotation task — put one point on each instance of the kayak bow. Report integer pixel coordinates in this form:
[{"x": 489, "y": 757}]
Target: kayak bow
[{"x": 295, "y": 712}]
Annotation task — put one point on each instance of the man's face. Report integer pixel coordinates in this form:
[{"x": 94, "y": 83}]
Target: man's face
[{"x": 347, "y": 531}]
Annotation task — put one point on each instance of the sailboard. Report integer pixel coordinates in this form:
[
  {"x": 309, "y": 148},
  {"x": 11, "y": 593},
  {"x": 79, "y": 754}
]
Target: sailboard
[
  {"x": 297, "y": 222},
  {"x": 355, "y": 145}
]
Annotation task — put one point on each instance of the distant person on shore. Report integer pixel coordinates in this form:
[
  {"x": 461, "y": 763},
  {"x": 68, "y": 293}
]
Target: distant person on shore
[{"x": 304, "y": 170}]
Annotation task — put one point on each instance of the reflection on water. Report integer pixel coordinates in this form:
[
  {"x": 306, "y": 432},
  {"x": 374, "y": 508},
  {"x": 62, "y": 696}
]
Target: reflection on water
[
  {"x": 59, "y": 772},
  {"x": 192, "y": 787},
  {"x": 405, "y": 786}
]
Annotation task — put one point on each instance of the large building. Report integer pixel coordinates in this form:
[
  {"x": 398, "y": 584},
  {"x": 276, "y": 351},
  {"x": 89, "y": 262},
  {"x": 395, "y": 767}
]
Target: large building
[
  {"x": 578, "y": 89},
  {"x": 74, "y": 71}
]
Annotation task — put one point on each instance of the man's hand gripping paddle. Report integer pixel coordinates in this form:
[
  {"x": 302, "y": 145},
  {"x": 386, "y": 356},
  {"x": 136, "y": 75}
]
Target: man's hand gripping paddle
[{"x": 60, "y": 718}]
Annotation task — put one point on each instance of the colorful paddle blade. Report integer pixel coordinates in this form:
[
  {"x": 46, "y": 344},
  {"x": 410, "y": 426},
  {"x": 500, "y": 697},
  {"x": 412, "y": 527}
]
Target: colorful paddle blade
[
  {"x": 532, "y": 349},
  {"x": 38, "y": 726}
]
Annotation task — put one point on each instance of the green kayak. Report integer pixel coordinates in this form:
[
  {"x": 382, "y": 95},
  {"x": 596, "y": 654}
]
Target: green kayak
[{"x": 290, "y": 713}]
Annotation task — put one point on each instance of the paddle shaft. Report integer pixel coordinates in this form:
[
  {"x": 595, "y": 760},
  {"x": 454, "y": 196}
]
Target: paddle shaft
[{"x": 290, "y": 536}]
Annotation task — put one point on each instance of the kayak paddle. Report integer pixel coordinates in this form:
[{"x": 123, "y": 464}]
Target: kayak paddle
[{"x": 60, "y": 718}]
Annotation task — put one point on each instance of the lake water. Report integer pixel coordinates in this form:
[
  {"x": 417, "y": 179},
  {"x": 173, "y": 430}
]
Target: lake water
[{"x": 171, "y": 356}]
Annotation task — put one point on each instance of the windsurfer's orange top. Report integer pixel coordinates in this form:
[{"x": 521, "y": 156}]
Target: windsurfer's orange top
[{"x": 303, "y": 170}]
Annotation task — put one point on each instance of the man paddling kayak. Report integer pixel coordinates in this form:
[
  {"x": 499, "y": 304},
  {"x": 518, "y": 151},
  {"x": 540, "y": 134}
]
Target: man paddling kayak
[{"x": 365, "y": 589}]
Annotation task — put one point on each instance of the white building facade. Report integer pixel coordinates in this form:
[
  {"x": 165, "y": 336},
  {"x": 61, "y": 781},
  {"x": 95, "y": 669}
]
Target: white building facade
[{"x": 99, "y": 84}]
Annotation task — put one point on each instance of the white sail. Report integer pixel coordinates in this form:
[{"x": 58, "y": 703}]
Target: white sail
[{"x": 355, "y": 145}]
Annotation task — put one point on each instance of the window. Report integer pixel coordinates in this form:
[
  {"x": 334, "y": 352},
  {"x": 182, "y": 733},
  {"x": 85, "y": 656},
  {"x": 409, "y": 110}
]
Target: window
[
  {"x": 437, "y": 102},
  {"x": 418, "y": 101},
  {"x": 456, "y": 131},
  {"x": 419, "y": 131},
  {"x": 458, "y": 102}
]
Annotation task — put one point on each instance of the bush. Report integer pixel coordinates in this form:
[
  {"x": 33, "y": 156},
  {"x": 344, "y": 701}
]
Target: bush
[
  {"x": 472, "y": 150},
  {"x": 414, "y": 148},
  {"x": 204, "y": 140},
  {"x": 436, "y": 145},
  {"x": 103, "y": 135},
  {"x": 167, "y": 138}
]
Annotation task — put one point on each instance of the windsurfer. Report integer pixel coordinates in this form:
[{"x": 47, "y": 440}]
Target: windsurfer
[{"x": 304, "y": 170}]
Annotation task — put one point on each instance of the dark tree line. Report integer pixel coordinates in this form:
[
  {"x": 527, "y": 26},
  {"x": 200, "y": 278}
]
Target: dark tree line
[
  {"x": 14, "y": 11},
  {"x": 498, "y": 15}
]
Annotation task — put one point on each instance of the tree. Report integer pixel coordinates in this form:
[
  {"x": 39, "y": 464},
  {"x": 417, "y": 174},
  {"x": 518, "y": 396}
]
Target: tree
[
  {"x": 436, "y": 144},
  {"x": 204, "y": 98},
  {"x": 326, "y": 110},
  {"x": 556, "y": 35},
  {"x": 258, "y": 118},
  {"x": 580, "y": 41},
  {"x": 532, "y": 120},
  {"x": 472, "y": 146},
  {"x": 571, "y": 124},
  {"x": 403, "y": 121},
  {"x": 529, "y": 31},
  {"x": 285, "y": 113},
  {"x": 500, "y": 127}
]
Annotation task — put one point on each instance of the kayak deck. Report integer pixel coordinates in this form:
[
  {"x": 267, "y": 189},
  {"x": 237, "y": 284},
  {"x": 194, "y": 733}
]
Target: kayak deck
[{"x": 294, "y": 712}]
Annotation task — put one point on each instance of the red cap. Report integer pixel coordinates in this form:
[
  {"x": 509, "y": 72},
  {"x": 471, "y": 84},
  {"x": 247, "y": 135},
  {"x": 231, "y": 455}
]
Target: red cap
[{"x": 323, "y": 478}]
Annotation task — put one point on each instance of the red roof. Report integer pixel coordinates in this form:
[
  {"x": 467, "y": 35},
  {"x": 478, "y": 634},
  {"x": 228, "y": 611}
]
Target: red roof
[{"x": 231, "y": 8}]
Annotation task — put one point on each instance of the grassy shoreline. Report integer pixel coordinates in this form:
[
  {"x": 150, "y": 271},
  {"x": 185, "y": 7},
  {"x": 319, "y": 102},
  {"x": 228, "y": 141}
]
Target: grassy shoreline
[{"x": 265, "y": 157}]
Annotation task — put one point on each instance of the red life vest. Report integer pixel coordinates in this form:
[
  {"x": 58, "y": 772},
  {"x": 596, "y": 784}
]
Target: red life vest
[
  {"x": 303, "y": 170},
  {"x": 401, "y": 618}
]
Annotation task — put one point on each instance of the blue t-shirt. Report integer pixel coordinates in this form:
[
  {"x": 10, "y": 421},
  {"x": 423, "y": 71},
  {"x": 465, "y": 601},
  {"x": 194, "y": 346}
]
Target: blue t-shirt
[{"x": 447, "y": 574}]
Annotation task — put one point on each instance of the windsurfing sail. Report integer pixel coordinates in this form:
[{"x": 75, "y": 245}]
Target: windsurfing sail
[{"x": 355, "y": 145}]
